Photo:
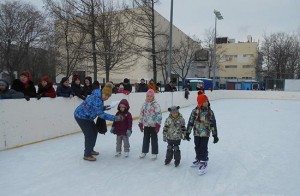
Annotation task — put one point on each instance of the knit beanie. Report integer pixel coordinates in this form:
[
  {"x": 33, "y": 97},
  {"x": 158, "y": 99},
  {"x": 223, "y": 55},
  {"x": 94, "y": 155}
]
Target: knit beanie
[
  {"x": 107, "y": 89},
  {"x": 173, "y": 109},
  {"x": 3, "y": 82},
  {"x": 201, "y": 99},
  {"x": 150, "y": 92},
  {"x": 45, "y": 78}
]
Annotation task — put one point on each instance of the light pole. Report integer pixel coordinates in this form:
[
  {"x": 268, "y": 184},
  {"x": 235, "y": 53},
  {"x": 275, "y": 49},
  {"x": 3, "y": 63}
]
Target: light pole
[
  {"x": 170, "y": 43},
  {"x": 218, "y": 16}
]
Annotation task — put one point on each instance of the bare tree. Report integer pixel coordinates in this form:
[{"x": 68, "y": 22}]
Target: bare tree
[
  {"x": 184, "y": 56},
  {"x": 21, "y": 28},
  {"x": 144, "y": 26},
  {"x": 281, "y": 55}
]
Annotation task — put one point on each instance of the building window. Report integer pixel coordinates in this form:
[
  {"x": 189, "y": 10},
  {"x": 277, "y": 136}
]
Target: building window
[
  {"x": 230, "y": 78},
  {"x": 247, "y": 78},
  {"x": 230, "y": 66},
  {"x": 201, "y": 67},
  {"x": 248, "y": 66},
  {"x": 248, "y": 55}
]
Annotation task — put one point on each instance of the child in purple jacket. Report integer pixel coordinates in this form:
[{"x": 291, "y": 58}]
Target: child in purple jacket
[{"x": 123, "y": 129}]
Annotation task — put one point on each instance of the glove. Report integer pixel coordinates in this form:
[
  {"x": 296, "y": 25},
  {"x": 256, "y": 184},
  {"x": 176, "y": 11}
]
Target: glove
[
  {"x": 187, "y": 137},
  {"x": 141, "y": 127},
  {"x": 165, "y": 138},
  {"x": 112, "y": 130},
  {"x": 106, "y": 107},
  {"x": 128, "y": 133},
  {"x": 27, "y": 98},
  {"x": 157, "y": 127},
  {"x": 119, "y": 118},
  {"x": 38, "y": 96},
  {"x": 216, "y": 139}
]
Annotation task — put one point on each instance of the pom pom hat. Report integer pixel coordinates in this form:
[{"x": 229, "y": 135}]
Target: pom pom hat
[
  {"x": 201, "y": 99},
  {"x": 173, "y": 109},
  {"x": 150, "y": 92},
  {"x": 107, "y": 89}
]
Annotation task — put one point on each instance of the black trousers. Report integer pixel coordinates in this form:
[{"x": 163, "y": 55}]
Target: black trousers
[
  {"x": 90, "y": 132},
  {"x": 201, "y": 148},
  {"x": 150, "y": 134}
]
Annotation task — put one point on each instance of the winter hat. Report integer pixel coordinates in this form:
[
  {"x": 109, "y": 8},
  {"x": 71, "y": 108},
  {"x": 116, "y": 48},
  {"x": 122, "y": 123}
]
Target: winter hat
[
  {"x": 150, "y": 92},
  {"x": 75, "y": 77},
  {"x": 3, "y": 82},
  {"x": 64, "y": 79},
  {"x": 107, "y": 89},
  {"x": 27, "y": 74},
  {"x": 201, "y": 99},
  {"x": 173, "y": 109},
  {"x": 46, "y": 78}
]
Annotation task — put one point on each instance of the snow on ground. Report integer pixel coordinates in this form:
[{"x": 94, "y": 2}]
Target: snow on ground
[{"x": 258, "y": 154}]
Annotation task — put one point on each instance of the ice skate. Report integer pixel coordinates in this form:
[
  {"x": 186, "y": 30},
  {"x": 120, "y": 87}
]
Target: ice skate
[
  {"x": 202, "y": 167},
  {"x": 118, "y": 154},
  {"x": 195, "y": 164},
  {"x": 126, "y": 154},
  {"x": 142, "y": 155},
  {"x": 154, "y": 156}
]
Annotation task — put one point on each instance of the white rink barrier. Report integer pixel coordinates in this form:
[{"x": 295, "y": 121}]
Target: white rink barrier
[{"x": 24, "y": 122}]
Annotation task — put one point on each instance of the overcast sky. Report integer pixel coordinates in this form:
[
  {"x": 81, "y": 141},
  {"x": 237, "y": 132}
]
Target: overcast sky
[{"x": 241, "y": 17}]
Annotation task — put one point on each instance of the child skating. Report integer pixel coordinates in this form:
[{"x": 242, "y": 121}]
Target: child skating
[
  {"x": 174, "y": 130},
  {"x": 202, "y": 121},
  {"x": 123, "y": 129}
]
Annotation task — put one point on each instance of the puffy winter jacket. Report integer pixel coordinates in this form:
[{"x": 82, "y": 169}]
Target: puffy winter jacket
[
  {"x": 150, "y": 114},
  {"x": 202, "y": 121},
  {"x": 174, "y": 128},
  {"x": 121, "y": 127},
  {"x": 92, "y": 107}
]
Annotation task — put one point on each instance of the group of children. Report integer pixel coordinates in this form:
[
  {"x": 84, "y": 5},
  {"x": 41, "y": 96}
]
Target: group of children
[{"x": 202, "y": 121}]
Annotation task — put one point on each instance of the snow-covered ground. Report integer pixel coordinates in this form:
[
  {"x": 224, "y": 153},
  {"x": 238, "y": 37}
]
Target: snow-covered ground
[{"x": 258, "y": 154}]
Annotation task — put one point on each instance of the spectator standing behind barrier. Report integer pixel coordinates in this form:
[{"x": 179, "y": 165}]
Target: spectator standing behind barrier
[
  {"x": 170, "y": 87},
  {"x": 85, "y": 114},
  {"x": 151, "y": 85},
  {"x": 127, "y": 85},
  {"x": 64, "y": 89},
  {"x": 142, "y": 87},
  {"x": 6, "y": 93},
  {"x": 25, "y": 85},
  {"x": 88, "y": 87},
  {"x": 77, "y": 88},
  {"x": 45, "y": 88}
]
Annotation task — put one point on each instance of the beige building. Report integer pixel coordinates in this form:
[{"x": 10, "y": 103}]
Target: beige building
[
  {"x": 236, "y": 62},
  {"x": 142, "y": 65}
]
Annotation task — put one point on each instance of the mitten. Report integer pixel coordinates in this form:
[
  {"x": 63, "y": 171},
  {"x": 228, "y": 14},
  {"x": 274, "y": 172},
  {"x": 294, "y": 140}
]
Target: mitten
[
  {"x": 141, "y": 127},
  {"x": 38, "y": 96},
  {"x": 216, "y": 139},
  {"x": 187, "y": 137},
  {"x": 119, "y": 118},
  {"x": 27, "y": 98},
  {"x": 157, "y": 127},
  {"x": 112, "y": 130},
  {"x": 128, "y": 133},
  {"x": 164, "y": 138}
]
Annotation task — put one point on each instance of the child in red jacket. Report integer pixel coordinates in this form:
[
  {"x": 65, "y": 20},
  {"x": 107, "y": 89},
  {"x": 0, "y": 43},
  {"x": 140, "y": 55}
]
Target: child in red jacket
[{"x": 123, "y": 129}]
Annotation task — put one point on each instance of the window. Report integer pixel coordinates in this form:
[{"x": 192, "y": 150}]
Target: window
[
  {"x": 201, "y": 67},
  {"x": 248, "y": 66},
  {"x": 230, "y": 66},
  {"x": 247, "y": 78},
  {"x": 230, "y": 78},
  {"x": 248, "y": 55}
]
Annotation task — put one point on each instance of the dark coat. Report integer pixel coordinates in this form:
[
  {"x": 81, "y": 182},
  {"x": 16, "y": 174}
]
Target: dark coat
[
  {"x": 46, "y": 91},
  {"x": 87, "y": 90},
  {"x": 127, "y": 87},
  {"x": 78, "y": 90},
  {"x": 169, "y": 88},
  {"x": 29, "y": 91},
  {"x": 142, "y": 87},
  {"x": 120, "y": 127},
  {"x": 10, "y": 93},
  {"x": 64, "y": 91}
]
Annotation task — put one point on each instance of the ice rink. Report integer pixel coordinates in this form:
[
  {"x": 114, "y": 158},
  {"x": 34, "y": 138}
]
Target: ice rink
[{"x": 258, "y": 154}]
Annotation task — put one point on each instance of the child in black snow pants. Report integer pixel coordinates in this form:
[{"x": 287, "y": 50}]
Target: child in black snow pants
[
  {"x": 202, "y": 121},
  {"x": 174, "y": 130}
]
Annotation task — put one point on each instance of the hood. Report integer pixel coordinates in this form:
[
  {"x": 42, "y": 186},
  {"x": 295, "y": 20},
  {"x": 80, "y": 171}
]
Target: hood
[
  {"x": 7, "y": 85},
  {"x": 124, "y": 102}
]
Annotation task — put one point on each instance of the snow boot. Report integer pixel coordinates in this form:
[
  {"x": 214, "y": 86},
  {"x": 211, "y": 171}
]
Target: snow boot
[{"x": 89, "y": 158}]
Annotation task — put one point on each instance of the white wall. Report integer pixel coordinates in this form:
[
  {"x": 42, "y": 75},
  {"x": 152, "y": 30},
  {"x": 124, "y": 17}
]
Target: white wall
[
  {"x": 292, "y": 85},
  {"x": 24, "y": 122}
]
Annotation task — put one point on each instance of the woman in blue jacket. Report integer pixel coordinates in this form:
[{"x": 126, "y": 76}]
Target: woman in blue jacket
[{"x": 85, "y": 114}]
